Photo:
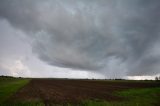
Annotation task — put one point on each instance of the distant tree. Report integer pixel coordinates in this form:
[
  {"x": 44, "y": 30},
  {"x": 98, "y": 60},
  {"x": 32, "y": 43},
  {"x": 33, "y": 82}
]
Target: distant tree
[{"x": 156, "y": 78}]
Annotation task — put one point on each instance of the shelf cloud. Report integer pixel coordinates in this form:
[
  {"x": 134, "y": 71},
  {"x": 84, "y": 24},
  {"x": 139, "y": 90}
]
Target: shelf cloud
[{"x": 119, "y": 37}]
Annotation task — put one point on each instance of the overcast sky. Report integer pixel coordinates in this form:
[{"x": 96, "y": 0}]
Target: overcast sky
[{"x": 80, "y": 38}]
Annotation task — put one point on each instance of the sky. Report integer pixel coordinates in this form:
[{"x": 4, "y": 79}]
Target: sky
[{"x": 80, "y": 38}]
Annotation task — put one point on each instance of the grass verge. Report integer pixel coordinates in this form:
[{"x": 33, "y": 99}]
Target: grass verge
[
  {"x": 9, "y": 86},
  {"x": 133, "y": 97}
]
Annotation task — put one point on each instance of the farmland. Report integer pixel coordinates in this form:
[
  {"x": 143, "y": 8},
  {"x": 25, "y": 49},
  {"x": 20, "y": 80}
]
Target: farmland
[
  {"x": 87, "y": 93},
  {"x": 9, "y": 86}
]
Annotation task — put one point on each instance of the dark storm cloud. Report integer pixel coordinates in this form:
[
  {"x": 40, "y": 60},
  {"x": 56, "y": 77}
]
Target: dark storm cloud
[{"x": 91, "y": 35}]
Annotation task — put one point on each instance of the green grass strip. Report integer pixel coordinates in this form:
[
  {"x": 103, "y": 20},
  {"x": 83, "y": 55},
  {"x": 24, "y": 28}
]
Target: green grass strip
[
  {"x": 10, "y": 86},
  {"x": 133, "y": 97}
]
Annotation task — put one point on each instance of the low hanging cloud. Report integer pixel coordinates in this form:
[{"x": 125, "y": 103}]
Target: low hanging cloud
[{"x": 108, "y": 36}]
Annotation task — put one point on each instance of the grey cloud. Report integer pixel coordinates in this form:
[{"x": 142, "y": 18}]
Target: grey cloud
[
  {"x": 87, "y": 34},
  {"x": 4, "y": 71}
]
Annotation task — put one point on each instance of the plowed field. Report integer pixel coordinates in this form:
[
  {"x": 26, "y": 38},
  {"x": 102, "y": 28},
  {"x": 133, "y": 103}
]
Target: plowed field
[{"x": 74, "y": 91}]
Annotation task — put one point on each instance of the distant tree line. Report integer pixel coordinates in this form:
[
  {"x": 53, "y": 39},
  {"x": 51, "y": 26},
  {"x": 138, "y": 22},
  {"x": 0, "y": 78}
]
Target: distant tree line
[
  {"x": 157, "y": 78},
  {"x": 4, "y": 76}
]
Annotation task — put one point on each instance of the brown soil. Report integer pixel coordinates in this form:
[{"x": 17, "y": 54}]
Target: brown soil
[{"x": 74, "y": 91}]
